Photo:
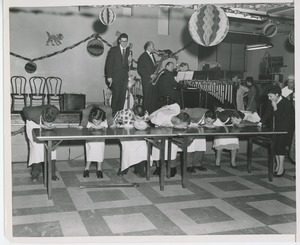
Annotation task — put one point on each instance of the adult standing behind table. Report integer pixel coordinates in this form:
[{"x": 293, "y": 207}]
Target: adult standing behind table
[
  {"x": 168, "y": 87},
  {"x": 117, "y": 67},
  {"x": 146, "y": 68},
  {"x": 283, "y": 112}
]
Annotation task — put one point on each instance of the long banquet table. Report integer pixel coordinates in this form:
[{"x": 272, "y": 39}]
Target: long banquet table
[{"x": 52, "y": 138}]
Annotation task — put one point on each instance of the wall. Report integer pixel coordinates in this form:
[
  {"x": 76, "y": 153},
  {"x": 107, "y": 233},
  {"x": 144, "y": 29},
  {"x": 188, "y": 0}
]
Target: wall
[
  {"x": 82, "y": 73},
  {"x": 281, "y": 47}
]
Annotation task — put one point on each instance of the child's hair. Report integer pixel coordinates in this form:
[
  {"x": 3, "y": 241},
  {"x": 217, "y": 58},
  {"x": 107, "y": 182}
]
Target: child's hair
[
  {"x": 275, "y": 90},
  {"x": 237, "y": 114},
  {"x": 50, "y": 114},
  {"x": 96, "y": 113},
  {"x": 211, "y": 114},
  {"x": 250, "y": 80},
  {"x": 184, "y": 118},
  {"x": 139, "y": 111}
]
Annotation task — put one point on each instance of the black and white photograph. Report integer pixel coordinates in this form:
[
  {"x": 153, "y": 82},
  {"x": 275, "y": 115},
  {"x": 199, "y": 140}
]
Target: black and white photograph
[{"x": 158, "y": 121}]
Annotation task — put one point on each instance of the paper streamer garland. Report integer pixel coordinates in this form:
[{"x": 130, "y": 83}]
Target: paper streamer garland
[
  {"x": 270, "y": 30},
  {"x": 107, "y": 16},
  {"x": 95, "y": 47},
  {"x": 209, "y": 25},
  {"x": 30, "y": 67}
]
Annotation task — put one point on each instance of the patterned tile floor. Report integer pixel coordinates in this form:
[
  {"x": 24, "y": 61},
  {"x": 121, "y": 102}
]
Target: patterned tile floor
[{"x": 219, "y": 201}]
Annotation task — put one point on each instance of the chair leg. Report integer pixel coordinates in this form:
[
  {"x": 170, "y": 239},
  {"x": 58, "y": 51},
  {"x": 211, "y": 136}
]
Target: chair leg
[{"x": 12, "y": 108}]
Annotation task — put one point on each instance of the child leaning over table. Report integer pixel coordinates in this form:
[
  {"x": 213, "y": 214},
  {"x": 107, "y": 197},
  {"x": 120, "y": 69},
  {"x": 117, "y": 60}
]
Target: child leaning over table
[
  {"x": 95, "y": 150},
  {"x": 169, "y": 116},
  {"x": 222, "y": 118},
  {"x": 39, "y": 117},
  {"x": 134, "y": 152}
]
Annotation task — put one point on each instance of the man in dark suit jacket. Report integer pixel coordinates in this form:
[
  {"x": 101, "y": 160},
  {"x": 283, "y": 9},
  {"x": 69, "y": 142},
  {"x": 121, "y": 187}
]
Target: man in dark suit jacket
[
  {"x": 117, "y": 67},
  {"x": 146, "y": 68},
  {"x": 168, "y": 87}
]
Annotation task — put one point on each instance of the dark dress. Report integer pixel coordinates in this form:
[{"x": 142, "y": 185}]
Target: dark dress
[
  {"x": 146, "y": 68},
  {"x": 117, "y": 68},
  {"x": 284, "y": 120}
]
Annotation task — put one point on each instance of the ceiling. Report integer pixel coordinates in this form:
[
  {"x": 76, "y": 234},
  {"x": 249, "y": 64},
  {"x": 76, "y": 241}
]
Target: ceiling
[{"x": 249, "y": 20}]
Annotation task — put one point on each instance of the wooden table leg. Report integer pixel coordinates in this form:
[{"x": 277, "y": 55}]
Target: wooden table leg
[
  {"x": 169, "y": 158},
  {"x": 270, "y": 161},
  {"x": 148, "y": 160},
  {"x": 184, "y": 163},
  {"x": 249, "y": 154},
  {"x": 49, "y": 163},
  {"x": 162, "y": 165}
]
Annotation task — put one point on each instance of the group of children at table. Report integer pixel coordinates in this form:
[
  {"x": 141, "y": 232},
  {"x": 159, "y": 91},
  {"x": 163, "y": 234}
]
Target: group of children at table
[{"x": 134, "y": 152}]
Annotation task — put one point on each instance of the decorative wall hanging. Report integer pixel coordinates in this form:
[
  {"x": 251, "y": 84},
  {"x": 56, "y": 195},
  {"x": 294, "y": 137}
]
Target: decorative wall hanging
[
  {"x": 107, "y": 16},
  {"x": 54, "y": 39},
  {"x": 30, "y": 67},
  {"x": 291, "y": 37},
  {"x": 209, "y": 25},
  {"x": 270, "y": 30},
  {"x": 95, "y": 47}
]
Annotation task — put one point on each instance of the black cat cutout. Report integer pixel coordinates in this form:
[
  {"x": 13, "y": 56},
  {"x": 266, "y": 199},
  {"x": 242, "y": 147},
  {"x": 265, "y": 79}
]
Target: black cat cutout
[{"x": 55, "y": 39}]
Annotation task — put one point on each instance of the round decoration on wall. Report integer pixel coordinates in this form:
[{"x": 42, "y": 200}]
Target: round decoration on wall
[
  {"x": 291, "y": 37},
  {"x": 30, "y": 67},
  {"x": 107, "y": 16},
  {"x": 95, "y": 47},
  {"x": 270, "y": 30},
  {"x": 209, "y": 25}
]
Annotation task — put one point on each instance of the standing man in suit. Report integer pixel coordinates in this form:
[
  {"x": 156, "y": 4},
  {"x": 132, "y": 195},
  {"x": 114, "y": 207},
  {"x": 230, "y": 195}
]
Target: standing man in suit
[
  {"x": 117, "y": 67},
  {"x": 146, "y": 69}
]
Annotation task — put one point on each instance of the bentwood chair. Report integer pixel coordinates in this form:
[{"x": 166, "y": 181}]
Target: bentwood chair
[
  {"x": 18, "y": 90},
  {"x": 53, "y": 85},
  {"x": 37, "y": 90}
]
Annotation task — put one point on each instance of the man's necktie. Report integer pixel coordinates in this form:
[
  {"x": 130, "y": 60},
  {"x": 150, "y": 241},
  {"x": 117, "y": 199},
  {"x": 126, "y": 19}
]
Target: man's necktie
[
  {"x": 123, "y": 54},
  {"x": 152, "y": 57}
]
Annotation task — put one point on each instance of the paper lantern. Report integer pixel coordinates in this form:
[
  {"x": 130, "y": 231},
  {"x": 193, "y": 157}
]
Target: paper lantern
[
  {"x": 209, "y": 25},
  {"x": 95, "y": 47},
  {"x": 107, "y": 16},
  {"x": 30, "y": 67},
  {"x": 270, "y": 30},
  {"x": 291, "y": 37}
]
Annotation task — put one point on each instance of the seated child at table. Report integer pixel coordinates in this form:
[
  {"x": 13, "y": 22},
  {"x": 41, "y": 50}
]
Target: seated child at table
[
  {"x": 95, "y": 150},
  {"x": 37, "y": 117},
  {"x": 134, "y": 152},
  {"x": 223, "y": 118},
  {"x": 169, "y": 116}
]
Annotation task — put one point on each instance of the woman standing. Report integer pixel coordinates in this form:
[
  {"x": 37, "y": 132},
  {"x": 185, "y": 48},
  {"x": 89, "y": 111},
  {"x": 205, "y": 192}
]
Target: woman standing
[{"x": 283, "y": 112}]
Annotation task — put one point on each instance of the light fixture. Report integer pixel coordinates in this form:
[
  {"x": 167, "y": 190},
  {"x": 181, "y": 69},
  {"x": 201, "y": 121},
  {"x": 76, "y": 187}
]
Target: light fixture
[{"x": 258, "y": 46}]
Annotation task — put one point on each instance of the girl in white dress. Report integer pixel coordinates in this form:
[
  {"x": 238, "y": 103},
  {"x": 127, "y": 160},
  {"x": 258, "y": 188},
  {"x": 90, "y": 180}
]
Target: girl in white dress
[
  {"x": 134, "y": 151},
  {"x": 233, "y": 118},
  {"x": 95, "y": 150},
  {"x": 39, "y": 117},
  {"x": 169, "y": 116}
]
